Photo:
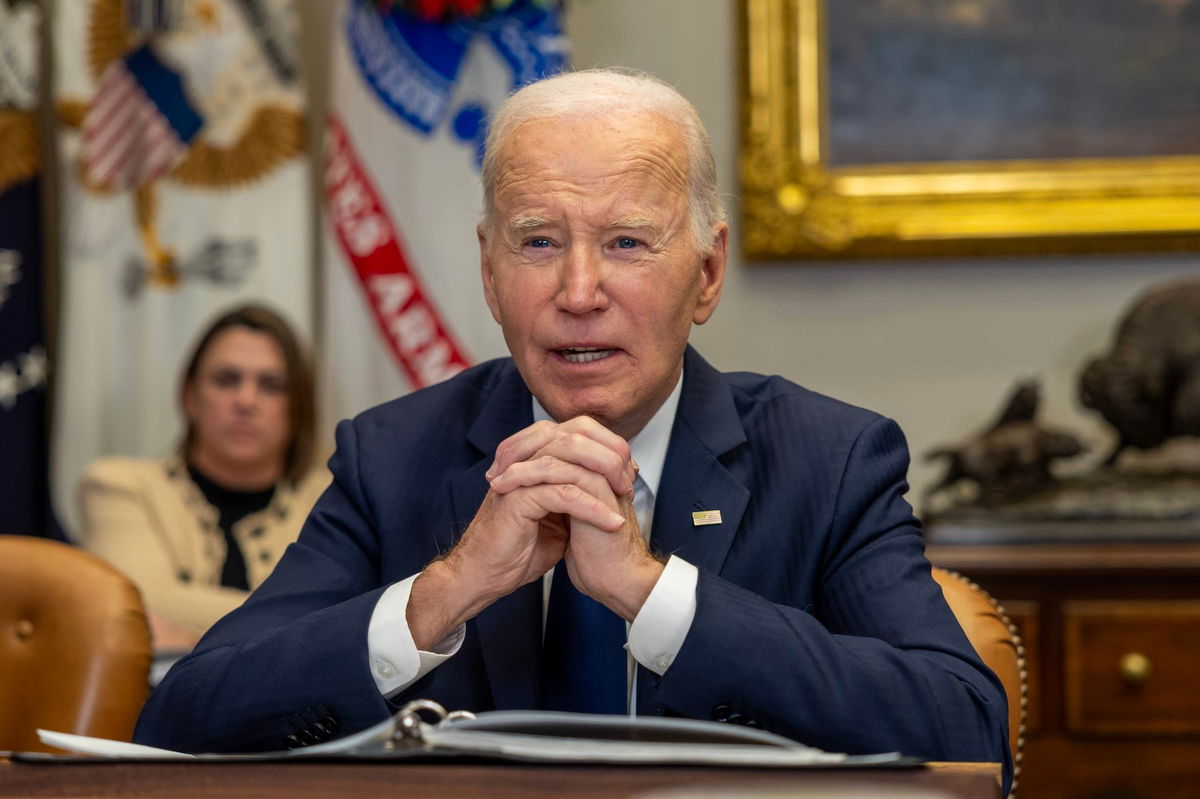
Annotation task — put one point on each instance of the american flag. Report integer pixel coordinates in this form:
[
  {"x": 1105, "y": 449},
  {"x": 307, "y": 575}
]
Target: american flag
[{"x": 139, "y": 123}]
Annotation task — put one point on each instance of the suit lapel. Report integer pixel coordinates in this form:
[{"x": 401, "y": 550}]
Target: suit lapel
[
  {"x": 506, "y": 410},
  {"x": 707, "y": 427},
  {"x": 510, "y": 629}
]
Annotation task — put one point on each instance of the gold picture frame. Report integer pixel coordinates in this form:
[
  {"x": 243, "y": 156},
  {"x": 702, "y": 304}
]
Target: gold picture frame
[{"x": 796, "y": 205}]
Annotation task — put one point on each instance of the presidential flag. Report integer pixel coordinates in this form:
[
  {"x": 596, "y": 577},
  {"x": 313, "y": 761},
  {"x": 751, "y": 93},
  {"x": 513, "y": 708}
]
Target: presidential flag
[
  {"x": 24, "y": 495},
  {"x": 412, "y": 87},
  {"x": 185, "y": 190}
]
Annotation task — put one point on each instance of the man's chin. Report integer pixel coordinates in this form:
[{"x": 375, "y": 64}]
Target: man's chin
[
  {"x": 562, "y": 411},
  {"x": 621, "y": 421}
]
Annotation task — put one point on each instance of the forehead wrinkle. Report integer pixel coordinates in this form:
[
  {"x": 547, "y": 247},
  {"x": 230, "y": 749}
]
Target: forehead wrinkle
[
  {"x": 640, "y": 168},
  {"x": 636, "y": 157},
  {"x": 658, "y": 166}
]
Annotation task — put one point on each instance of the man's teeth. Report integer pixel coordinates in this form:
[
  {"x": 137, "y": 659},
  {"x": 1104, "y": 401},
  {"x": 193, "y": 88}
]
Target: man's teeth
[{"x": 585, "y": 354}]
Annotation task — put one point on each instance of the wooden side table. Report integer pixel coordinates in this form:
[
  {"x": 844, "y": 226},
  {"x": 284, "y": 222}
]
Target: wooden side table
[{"x": 1112, "y": 640}]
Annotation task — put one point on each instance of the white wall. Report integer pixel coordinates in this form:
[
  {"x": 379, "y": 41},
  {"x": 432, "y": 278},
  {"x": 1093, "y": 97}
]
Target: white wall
[{"x": 936, "y": 343}]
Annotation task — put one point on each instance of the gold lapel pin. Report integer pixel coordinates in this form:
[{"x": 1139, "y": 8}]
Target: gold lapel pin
[{"x": 702, "y": 517}]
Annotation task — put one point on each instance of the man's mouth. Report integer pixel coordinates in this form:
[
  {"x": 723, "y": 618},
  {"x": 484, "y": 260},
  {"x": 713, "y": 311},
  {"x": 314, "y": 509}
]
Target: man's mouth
[{"x": 584, "y": 354}]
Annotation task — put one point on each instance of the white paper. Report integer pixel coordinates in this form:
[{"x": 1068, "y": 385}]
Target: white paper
[{"x": 104, "y": 747}]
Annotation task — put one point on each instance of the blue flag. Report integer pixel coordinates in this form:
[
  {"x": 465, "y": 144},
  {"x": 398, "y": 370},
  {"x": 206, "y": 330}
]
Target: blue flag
[
  {"x": 24, "y": 445},
  {"x": 24, "y": 495}
]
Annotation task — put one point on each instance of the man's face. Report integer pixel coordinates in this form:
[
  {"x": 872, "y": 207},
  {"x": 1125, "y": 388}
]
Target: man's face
[{"x": 590, "y": 265}]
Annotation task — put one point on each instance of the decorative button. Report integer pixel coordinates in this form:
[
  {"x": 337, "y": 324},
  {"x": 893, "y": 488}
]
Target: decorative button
[
  {"x": 24, "y": 629},
  {"x": 1135, "y": 668},
  {"x": 721, "y": 713},
  {"x": 384, "y": 669},
  {"x": 736, "y": 718},
  {"x": 307, "y": 737},
  {"x": 330, "y": 723},
  {"x": 292, "y": 742},
  {"x": 257, "y": 532},
  {"x": 662, "y": 664},
  {"x": 264, "y": 556},
  {"x": 185, "y": 576}
]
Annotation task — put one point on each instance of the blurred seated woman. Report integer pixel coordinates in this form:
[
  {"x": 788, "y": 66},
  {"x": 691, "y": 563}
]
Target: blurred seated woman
[{"x": 201, "y": 529}]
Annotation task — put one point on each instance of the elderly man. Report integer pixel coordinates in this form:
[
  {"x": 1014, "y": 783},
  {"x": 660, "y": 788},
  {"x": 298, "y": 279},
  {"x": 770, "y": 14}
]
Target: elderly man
[{"x": 486, "y": 540}]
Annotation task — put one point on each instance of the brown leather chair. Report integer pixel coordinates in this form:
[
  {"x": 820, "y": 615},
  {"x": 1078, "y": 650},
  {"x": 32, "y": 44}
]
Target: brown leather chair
[
  {"x": 74, "y": 645},
  {"x": 998, "y": 644}
]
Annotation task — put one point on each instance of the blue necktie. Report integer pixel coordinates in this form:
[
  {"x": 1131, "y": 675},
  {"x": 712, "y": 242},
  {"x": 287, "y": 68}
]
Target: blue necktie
[{"x": 583, "y": 656}]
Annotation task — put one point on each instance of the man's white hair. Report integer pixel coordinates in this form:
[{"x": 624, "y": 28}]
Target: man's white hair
[{"x": 606, "y": 93}]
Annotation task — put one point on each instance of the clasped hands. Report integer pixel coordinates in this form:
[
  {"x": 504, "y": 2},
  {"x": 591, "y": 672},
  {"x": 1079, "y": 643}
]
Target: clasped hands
[{"x": 559, "y": 492}]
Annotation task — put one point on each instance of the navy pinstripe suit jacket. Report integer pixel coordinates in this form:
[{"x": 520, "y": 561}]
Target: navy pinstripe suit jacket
[{"x": 816, "y": 614}]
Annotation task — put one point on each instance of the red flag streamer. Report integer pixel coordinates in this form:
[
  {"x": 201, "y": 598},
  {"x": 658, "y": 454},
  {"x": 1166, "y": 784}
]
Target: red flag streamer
[{"x": 419, "y": 339}]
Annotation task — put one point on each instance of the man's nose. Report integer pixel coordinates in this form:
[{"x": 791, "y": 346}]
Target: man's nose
[{"x": 581, "y": 281}]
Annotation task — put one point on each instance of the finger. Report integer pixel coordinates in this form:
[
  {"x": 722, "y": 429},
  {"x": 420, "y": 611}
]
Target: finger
[
  {"x": 630, "y": 529},
  {"x": 578, "y": 449},
  {"x": 520, "y": 446},
  {"x": 570, "y": 500},
  {"x": 549, "y": 469},
  {"x": 587, "y": 426},
  {"x": 523, "y": 444}
]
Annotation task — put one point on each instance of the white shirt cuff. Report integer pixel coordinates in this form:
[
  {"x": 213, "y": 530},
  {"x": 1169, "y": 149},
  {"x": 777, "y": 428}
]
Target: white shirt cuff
[
  {"x": 657, "y": 632},
  {"x": 396, "y": 663}
]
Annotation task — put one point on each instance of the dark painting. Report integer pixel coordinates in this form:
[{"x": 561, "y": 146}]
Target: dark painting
[{"x": 952, "y": 80}]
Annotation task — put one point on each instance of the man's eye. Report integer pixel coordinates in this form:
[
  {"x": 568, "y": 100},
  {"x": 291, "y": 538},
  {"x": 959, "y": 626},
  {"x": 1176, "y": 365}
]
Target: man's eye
[
  {"x": 627, "y": 243},
  {"x": 539, "y": 243}
]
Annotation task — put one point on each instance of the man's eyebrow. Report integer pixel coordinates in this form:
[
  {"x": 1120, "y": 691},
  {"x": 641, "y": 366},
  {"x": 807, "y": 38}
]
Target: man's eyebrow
[
  {"x": 635, "y": 223},
  {"x": 522, "y": 224}
]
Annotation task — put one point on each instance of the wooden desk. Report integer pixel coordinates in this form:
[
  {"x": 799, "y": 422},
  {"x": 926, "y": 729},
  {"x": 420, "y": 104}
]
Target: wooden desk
[
  {"x": 377, "y": 780},
  {"x": 1112, "y": 646}
]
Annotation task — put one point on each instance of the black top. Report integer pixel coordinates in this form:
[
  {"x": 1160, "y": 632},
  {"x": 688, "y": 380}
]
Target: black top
[{"x": 232, "y": 506}]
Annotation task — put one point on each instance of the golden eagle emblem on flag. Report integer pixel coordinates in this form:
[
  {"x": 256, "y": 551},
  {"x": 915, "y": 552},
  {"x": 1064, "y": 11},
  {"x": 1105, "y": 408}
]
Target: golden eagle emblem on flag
[{"x": 201, "y": 93}]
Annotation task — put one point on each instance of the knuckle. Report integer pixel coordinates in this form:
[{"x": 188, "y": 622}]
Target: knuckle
[
  {"x": 615, "y": 461},
  {"x": 584, "y": 423}
]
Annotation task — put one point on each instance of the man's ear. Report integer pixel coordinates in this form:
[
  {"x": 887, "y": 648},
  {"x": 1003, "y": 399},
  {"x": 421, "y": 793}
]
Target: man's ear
[
  {"x": 485, "y": 272},
  {"x": 712, "y": 275}
]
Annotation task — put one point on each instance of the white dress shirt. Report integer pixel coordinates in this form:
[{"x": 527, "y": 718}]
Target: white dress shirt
[{"x": 656, "y": 633}]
